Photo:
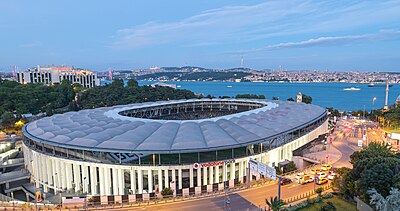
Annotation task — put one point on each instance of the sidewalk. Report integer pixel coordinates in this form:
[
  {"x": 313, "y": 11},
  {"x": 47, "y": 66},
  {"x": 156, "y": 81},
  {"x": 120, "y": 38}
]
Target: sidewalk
[{"x": 333, "y": 155}]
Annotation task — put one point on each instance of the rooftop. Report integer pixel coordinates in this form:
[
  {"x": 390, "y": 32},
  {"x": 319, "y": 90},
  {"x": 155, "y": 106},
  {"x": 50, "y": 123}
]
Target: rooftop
[{"x": 105, "y": 129}]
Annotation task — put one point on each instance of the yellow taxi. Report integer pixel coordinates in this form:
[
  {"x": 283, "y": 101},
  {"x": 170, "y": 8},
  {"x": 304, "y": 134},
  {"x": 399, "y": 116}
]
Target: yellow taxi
[
  {"x": 326, "y": 167},
  {"x": 315, "y": 171},
  {"x": 322, "y": 181}
]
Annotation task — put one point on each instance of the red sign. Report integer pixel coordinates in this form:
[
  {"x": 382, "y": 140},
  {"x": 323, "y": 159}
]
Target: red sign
[{"x": 202, "y": 165}]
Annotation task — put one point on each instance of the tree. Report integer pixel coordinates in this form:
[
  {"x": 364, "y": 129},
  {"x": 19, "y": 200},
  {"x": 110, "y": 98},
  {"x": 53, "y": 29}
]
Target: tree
[
  {"x": 132, "y": 83},
  {"x": 372, "y": 151},
  {"x": 275, "y": 204},
  {"x": 7, "y": 119},
  {"x": 306, "y": 99},
  {"x": 275, "y": 98},
  {"x": 291, "y": 166},
  {"x": 390, "y": 203},
  {"x": 378, "y": 177}
]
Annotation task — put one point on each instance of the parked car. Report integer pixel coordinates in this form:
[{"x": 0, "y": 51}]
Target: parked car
[
  {"x": 322, "y": 181},
  {"x": 326, "y": 167},
  {"x": 299, "y": 176},
  {"x": 306, "y": 179},
  {"x": 322, "y": 175},
  {"x": 332, "y": 176},
  {"x": 285, "y": 181},
  {"x": 315, "y": 171}
]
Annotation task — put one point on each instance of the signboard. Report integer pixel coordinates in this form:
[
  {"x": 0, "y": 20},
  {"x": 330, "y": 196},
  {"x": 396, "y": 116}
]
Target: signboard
[
  {"x": 266, "y": 171},
  {"x": 360, "y": 143},
  {"x": 214, "y": 163},
  {"x": 263, "y": 169},
  {"x": 253, "y": 165}
]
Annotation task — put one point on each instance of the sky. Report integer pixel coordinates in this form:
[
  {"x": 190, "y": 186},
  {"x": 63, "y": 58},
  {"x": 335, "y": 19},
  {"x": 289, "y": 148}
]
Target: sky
[{"x": 296, "y": 35}]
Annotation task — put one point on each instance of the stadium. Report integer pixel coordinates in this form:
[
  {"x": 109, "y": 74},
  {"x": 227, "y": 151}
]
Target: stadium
[{"x": 189, "y": 146}]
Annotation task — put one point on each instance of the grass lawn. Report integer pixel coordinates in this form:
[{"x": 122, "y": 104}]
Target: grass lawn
[{"x": 339, "y": 203}]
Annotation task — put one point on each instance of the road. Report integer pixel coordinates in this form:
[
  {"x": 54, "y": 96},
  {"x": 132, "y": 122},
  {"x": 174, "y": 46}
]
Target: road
[{"x": 241, "y": 200}]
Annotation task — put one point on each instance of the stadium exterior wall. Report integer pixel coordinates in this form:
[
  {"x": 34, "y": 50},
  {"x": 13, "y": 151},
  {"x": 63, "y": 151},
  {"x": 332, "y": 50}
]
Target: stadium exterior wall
[{"x": 57, "y": 174}]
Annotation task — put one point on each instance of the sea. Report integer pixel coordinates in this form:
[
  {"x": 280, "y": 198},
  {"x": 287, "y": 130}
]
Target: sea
[{"x": 323, "y": 94}]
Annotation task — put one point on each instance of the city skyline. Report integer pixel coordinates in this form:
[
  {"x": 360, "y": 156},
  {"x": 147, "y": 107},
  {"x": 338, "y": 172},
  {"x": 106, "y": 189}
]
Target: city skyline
[{"x": 351, "y": 36}]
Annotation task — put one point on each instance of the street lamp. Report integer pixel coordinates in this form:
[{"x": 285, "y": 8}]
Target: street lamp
[{"x": 85, "y": 193}]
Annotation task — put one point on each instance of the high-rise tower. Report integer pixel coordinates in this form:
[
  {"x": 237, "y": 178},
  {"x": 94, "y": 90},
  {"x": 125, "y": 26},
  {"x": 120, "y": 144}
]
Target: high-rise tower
[
  {"x": 387, "y": 96},
  {"x": 110, "y": 74}
]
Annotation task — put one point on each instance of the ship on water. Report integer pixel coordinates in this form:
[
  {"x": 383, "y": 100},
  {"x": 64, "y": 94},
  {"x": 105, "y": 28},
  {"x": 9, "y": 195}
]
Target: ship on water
[
  {"x": 352, "y": 89},
  {"x": 378, "y": 85}
]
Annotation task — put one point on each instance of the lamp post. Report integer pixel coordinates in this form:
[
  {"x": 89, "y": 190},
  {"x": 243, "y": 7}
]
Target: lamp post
[
  {"x": 85, "y": 193},
  {"x": 373, "y": 103}
]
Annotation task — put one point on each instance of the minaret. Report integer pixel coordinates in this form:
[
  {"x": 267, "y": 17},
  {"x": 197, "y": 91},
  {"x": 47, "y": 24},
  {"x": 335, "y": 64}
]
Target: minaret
[
  {"x": 299, "y": 97},
  {"x": 110, "y": 74},
  {"x": 387, "y": 96}
]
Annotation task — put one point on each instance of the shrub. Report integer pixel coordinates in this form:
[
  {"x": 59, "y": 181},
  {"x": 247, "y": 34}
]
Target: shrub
[
  {"x": 318, "y": 199},
  {"x": 328, "y": 207},
  {"x": 319, "y": 191},
  {"x": 167, "y": 192},
  {"x": 327, "y": 196}
]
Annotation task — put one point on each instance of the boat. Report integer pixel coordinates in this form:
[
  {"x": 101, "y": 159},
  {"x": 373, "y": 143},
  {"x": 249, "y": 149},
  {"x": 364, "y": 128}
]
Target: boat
[
  {"x": 352, "y": 89},
  {"x": 379, "y": 85},
  {"x": 229, "y": 86}
]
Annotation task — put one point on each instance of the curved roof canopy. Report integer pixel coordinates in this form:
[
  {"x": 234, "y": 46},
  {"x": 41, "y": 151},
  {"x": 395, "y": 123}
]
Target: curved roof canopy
[{"x": 104, "y": 129}]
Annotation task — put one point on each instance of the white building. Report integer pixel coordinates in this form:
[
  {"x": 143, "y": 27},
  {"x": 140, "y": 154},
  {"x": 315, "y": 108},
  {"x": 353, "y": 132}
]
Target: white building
[
  {"x": 143, "y": 148},
  {"x": 50, "y": 75}
]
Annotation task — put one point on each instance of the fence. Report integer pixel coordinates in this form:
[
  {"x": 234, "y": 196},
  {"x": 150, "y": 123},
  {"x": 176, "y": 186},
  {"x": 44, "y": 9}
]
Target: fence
[{"x": 306, "y": 195}]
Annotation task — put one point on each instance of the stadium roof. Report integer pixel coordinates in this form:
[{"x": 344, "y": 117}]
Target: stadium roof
[{"x": 103, "y": 129}]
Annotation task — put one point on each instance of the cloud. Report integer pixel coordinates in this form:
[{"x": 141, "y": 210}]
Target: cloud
[
  {"x": 246, "y": 23},
  {"x": 329, "y": 41}
]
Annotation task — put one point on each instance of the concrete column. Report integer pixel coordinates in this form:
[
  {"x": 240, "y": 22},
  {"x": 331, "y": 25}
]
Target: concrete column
[
  {"x": 166, "y": 176},
  {"x": 62, "y": 174},
  {"x": 77, "y": 177},
  {"x": 115, "y": 181},
  {"x": 205, "y": 177},
  {"x": 68, "y": 175},
  {"x": 140, "y": 181},
  {"x": 174, "y": 176},
  {"x": 150, "y": 180},
  {"x": 49, "y": 171},
  {"x": 133, "y": 181},
  {"x": 56, "y": 181},
  {"x": 232, "y": 165},
  {"x": 224, "y": 173},
  {"x": 199, "y": 176},
  {"x": 240, "y": 169},
  {"x": 37, "y": 173},
  {"x": 101, "y": 181},
  {"x": 160, "y": 185},
  {"x": 121, "y": 182},
  {"x": 212, "y": 174},
  {"x": 180, "y": 178},
  {"x": 107, "y": 181},
  {"x": 191, "y": 177},
  {"x": 216, "y": 174},
  {"x": 93, "y": 180},
  {"x": 43, "y": 170},
  {"x": 85, "y": 174}
]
